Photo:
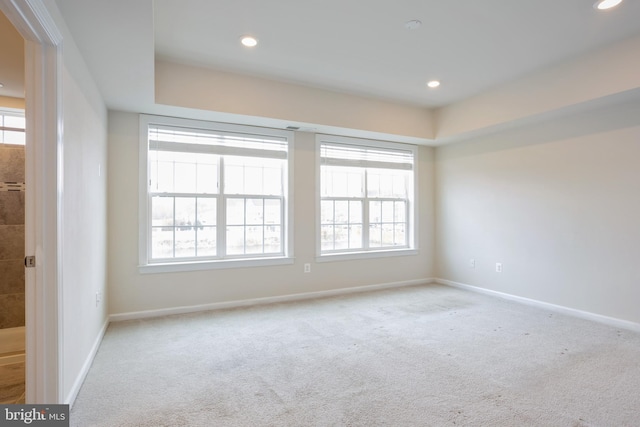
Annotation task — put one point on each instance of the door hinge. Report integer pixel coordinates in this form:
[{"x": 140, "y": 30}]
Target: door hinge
[{"x": 30, "y": 261}]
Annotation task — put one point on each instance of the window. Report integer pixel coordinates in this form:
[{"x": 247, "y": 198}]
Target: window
[
  {"x": 366, "y": 198},
  {"x": 213, "y": 192},
  {"x": 12, "y": 127}
]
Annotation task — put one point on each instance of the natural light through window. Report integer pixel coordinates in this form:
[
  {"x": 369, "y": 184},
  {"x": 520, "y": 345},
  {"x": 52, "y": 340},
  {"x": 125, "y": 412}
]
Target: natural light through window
[
  {"x": 12, "y": 127},
  {"x": 366, "y": 195},
  {"x": 214, "y": 192}
]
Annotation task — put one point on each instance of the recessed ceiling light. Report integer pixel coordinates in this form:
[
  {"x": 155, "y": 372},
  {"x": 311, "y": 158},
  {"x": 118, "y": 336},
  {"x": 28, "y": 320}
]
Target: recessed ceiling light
[
  {"x": 414, "y": 24},
  {"x": 1, "y": 85},
  {"x": 433, "y": 84},
  {"x": 249, "y": 41},
  {"x": 606, "y": 4}
]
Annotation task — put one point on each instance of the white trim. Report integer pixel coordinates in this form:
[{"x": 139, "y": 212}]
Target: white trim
[
  {"x": 606, "y": 320},
  {"x": 412, "y": 201},
  {"x": 147, "y": 119},
  {"x": 262, "y": 301},
  {"x": 43, "y": 201},
  {"x": 289, "y": 194},
  {"x": 366, "y": 142},
  {"x": 143, "y": 184},
  {"x": 348, "y": 256},
  {"x": 77, "y": 384},
  {"x": 171, "y": 267}
]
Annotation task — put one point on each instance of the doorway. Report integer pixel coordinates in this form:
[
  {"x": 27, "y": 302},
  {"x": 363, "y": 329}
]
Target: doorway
[
  {"x": 12, "y": 215},
  {"x": 42, "y": 83}
]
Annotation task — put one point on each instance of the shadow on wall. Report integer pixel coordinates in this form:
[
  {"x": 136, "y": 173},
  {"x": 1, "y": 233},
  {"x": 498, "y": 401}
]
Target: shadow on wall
[{"x": 609, "y": 115}]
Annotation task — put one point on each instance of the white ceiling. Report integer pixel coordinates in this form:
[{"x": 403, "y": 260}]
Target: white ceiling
[
  {"x": 363, "y": 46},
  {"x": 351, "y": 46}
]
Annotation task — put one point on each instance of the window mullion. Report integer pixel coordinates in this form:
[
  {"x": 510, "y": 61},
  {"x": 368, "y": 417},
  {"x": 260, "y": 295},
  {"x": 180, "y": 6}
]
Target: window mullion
[
  {"x": 221, "y": 208},
  {"x": 334, "y": 224},
  {"x": 348, "y": 225},
  {"x": 195, "y": 243},
  {"x": 365, "y": 212},
  {"x": 149, "y": 221},
  {"x": 263, "y": 224},
  {"x": 197, "y": 220},
  {"x": 407, "y": 223},
  {"x": 283, "y": 235},
  {"x": 244, "y": 222},
  {"x": 173, "y": 229}
]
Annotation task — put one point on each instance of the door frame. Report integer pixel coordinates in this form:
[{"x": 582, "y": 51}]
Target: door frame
[{"x": 43, "y": 198}]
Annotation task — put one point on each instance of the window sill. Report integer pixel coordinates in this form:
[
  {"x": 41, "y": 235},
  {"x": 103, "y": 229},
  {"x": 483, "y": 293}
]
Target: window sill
[
  {"x": 212, "y": 265},
  {"x": 346, "y": 256}
]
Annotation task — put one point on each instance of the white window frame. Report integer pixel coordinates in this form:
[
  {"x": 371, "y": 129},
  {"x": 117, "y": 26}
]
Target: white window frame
[
  {"x": 412, "y": 210},
  {"x": 146, "y": 265}
]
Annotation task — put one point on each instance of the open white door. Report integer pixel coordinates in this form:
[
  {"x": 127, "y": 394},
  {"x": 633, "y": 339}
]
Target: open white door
[{"x": 43, "y": 203}]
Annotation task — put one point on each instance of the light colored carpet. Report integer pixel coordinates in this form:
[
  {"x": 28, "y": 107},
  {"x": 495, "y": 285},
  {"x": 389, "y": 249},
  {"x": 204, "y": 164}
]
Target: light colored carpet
[{"x": 417, "y": 356}]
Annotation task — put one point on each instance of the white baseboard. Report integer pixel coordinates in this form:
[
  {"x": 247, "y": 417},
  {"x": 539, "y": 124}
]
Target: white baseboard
[
  {"x": 610, "y": 321},
  {"x": 261, "y": 301},
  {"x": 73, "y": 393}
]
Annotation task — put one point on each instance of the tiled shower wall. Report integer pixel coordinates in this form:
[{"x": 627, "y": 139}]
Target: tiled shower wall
[{"x": 12, "y": 302}]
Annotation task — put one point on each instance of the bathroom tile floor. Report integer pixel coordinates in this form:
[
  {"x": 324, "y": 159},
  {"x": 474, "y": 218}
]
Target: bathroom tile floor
[{"x": 12, "y": 387}]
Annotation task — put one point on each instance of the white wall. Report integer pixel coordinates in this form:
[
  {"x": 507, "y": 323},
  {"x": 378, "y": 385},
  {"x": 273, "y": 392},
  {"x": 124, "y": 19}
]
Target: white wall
[
  {"x": 84, "y": 213},
  {"x": 557, "y": 203},
  {"x": 130, "y": 291}
]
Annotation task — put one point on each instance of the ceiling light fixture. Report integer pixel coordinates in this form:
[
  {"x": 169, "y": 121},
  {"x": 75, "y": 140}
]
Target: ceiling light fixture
[
  {"x": 606, "y": 4},
  {"x": 1, "y": 85},
  {"x": 249, "y": 41},
  {"x": 414, "y": 24},
  {"x": 433, "y": 84}
]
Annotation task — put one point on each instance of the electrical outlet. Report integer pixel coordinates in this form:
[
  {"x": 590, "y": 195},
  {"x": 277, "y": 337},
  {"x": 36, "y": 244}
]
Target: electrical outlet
[
  {"x": 498, "y": 267},
  {"x": 472, "y": 263},
  {"x": 307, "y": 268}
]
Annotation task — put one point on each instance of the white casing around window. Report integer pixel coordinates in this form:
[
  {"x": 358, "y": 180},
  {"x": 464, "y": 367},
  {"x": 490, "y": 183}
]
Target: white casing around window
[
  {"x": 355, "y": 154},
  {"x": 219, "y": 141}
]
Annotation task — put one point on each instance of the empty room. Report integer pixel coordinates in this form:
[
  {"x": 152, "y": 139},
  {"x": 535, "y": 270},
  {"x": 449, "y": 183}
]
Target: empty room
[{"x": 358, "y": 213}]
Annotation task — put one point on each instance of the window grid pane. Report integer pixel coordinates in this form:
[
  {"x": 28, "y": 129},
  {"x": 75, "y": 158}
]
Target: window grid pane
[
  {"x": 327, "y": 238},
  {"x": 342, "y": 225},
  {"x": 387, "y": 223},
  {"x": 162, "y": 242},
  {"x": 183, "y": 227},
  {"x": 254, "y": 225}
]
